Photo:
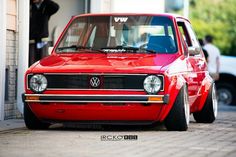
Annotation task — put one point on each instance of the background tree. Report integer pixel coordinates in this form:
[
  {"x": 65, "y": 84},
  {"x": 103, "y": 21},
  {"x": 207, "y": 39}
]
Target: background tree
[{"x": 218, "y": 18}]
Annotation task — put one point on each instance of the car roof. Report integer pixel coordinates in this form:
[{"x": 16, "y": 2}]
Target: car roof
[{"x": 170, "y": 15}]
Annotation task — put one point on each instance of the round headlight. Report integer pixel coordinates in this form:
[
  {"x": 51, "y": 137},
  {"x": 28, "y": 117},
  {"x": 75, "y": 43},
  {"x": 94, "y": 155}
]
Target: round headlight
[
  {"x": 152, "y": 84},
  {"x": 38, "y": 83}
]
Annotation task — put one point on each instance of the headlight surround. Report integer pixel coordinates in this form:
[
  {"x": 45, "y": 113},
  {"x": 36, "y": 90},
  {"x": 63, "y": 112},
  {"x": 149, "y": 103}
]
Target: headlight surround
[
  {"x": 152, "y": 84},
  {"x": 38, "y": 83}
]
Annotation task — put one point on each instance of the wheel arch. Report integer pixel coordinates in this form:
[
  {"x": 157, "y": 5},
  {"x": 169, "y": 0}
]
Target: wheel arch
[
  {"x": 175, "y": 85},
  {"x": 204, "y": 90},
  {"x": 227, "y": 82},
  {"x": 226, "y": 77}
]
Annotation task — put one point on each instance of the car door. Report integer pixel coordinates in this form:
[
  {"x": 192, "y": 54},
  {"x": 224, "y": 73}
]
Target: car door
[
  {"x": 196, "y": 58},
  {"x": 195, "y": 63}
]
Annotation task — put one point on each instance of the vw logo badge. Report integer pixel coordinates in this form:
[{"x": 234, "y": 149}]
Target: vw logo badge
[{"x": 94, "y": 82}]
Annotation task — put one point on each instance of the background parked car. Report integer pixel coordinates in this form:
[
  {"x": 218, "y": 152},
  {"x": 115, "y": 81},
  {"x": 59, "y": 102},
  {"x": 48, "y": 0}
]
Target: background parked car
[{"x": 226, "y": 85}]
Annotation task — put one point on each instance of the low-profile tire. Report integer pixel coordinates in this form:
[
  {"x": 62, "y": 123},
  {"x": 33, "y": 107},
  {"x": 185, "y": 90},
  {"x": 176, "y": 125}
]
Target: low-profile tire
[
  {"x": 31, "y": 121},
  {"x": 209, "y": 111},
  {"x": 225, "y": 93},
  {"x": 179, "y": 116}
]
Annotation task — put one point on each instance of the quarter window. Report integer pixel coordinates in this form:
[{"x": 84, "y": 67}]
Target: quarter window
[
  {"x": 184, "y": 32},
  {"x": 192, "y": 35}
]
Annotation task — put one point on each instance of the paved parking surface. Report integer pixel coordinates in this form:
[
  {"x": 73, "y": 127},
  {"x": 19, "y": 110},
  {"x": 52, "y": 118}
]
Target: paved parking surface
[{"x": 213, "y": 140}]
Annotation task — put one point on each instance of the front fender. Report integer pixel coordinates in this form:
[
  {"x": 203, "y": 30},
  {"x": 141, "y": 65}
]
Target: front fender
[
  {"x": 173, "y": 85},
  {"x": 203, "y": 93}
]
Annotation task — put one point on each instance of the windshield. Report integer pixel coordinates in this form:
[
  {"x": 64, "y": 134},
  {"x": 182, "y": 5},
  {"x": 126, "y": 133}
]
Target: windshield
[{"x": 119, "y": 34}]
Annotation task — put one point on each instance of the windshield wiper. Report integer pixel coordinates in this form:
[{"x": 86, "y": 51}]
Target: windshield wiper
[
  {"x": 147, "y": 50},
  {"x": 108, "y": 49},
  {"x": 127, "y": 48},
  {"x": 75, "y": 47}
]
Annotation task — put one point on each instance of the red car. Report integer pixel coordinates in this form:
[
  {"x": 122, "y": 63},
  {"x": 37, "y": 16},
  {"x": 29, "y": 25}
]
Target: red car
[{"x": 122, "y": 69}]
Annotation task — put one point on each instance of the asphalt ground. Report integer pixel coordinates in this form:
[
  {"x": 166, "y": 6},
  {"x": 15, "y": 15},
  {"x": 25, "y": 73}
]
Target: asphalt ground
[{"x": 201, "y": 140}]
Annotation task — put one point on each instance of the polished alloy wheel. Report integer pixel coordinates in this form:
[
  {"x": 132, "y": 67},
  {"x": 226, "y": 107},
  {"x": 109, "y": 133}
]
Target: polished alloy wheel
[
  {"x": 214, "y": 101},
  {"x": 186, "y": 106}
]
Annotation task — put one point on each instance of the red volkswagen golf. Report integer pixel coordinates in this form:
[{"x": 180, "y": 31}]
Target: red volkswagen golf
[{"x": 122, "y": 69}]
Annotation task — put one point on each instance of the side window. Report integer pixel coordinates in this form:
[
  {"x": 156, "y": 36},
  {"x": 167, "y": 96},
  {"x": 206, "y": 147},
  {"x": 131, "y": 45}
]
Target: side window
[{"x": 193, "y": 38}]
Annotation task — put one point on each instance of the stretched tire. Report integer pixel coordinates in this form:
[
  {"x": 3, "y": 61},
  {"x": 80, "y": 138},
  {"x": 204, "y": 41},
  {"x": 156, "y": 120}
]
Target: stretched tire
[
  {"x": 179, "y": 115},
  {"x": 209, "y": 111},
  {"x": 31, "y": 121}
]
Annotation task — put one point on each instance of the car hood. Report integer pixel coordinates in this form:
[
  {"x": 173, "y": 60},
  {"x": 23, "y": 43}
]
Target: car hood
[{"x": 103, "y": 63}]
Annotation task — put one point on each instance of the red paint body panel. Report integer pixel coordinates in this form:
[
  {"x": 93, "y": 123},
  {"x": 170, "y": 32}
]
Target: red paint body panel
[
  {"x": 79, "y": 112},
  {"x": 177, "y": 68},
  {"x": 110, "y": 63}
]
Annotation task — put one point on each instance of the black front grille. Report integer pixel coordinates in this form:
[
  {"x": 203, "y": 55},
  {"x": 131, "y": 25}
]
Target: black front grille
[
  {"x": 82, "y": 81},
  {"x": 67, "y": 81}
]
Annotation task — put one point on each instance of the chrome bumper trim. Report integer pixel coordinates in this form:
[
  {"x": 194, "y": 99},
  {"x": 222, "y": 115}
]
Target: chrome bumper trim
[{"x": 64, "y": 98}]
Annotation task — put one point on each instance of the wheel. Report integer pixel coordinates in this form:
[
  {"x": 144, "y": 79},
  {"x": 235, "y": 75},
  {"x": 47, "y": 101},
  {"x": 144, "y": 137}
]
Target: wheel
[
  {"x": 179, "y": 116},
  {"x": 225, "y": 93},
  {"x": 209, "y": 111},
  {"x": 31, "y": 121}
]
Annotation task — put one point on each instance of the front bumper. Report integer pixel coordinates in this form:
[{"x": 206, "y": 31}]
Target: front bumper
[{"x": 66, "y": 98}]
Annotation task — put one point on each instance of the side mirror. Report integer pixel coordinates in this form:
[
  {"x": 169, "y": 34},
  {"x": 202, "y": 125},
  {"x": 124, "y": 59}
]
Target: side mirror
[
  {"x": 194, "y": 51},
  {"x": 50, "y": 50}
]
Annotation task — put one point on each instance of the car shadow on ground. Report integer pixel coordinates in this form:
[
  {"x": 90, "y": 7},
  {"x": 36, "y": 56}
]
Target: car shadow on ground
[
  {"x": 110, "y": 128},
  {"x": 129, "y": 128}
]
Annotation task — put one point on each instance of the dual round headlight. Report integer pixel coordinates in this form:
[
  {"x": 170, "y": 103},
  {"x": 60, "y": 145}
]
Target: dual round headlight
[
  {"x": 152, "y": 84},
  {"x": 38, "y": 83}
]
